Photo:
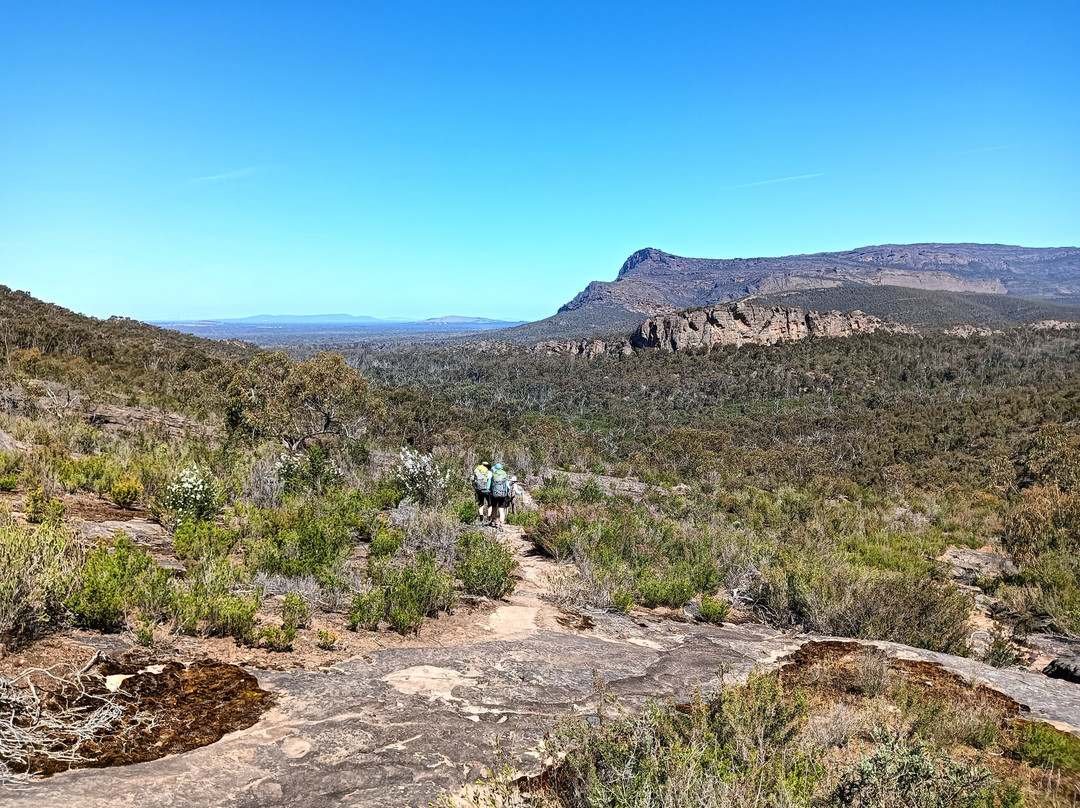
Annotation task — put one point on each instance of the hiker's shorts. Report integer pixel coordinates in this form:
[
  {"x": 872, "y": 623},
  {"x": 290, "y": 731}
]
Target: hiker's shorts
[
  {"x": 483, "y": 498},
  {"x": 499, "y": 502}
]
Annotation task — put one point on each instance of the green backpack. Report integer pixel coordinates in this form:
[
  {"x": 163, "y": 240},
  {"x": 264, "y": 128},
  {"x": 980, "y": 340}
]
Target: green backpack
[{"x": 500, "y": 483}]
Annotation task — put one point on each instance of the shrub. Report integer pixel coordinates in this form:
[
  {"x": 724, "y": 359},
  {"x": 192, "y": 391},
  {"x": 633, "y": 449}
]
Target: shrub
[
  {"x": 328, "y": 640},
  {"x": 126, "y": 492},
  {"x": 670, "y": 587},
  {"x": 37, "y": 571},
  {"x": 387, "y": 542},
  {"x": 367, "y": 609},
  {"x": 9, "y": 481},
  {"x": 556, "y": 490},
  {"x": 733, "y": 748},
  {"x": 193, "y": 495},
  {"x": 622, "y": 601},
  {"x": 10, "y": 463},
  {"x": 40, "y": 509},
  {"x": 207, "y": 604},
  {"x": 312, "y": 539},
  {"x": 144, "y": 632},
  {"x": 277, "y": 639},
  {"x": 1044, "y": 746},
  {"x": 420, "y": 479},
  {"x": 591, "y": 491},
  {"x": 116, "y": 581},
  {"x": 199, "y": 540},
  {"x": 485, "y": 566},
  {"x": 414, "y": 591},
  {"x": 525, "y": 519},
  {"x": 295, "y": 611},
  {"x": 899, "y": 773},
  {"x": 714, "y": 611},
  {"x": 469, "y": 512}
]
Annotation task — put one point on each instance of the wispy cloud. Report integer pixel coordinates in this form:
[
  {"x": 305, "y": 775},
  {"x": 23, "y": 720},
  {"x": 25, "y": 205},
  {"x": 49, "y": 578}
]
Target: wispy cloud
[
  {"x": 237, "y": 174},
  {"x": 778, "y": 179}
]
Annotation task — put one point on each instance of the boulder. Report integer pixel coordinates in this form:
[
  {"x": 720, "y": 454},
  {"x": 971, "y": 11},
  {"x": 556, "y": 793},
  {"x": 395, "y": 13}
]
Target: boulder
[{"x": 1067, "y": 668}]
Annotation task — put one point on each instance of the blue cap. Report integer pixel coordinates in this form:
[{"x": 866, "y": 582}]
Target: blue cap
[{"x": 497, "y": 467}]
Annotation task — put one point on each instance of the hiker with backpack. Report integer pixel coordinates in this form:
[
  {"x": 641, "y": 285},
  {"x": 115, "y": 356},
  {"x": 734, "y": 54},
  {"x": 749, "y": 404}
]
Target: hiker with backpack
[
  {"x": 515, "y": 491},
  {"x": 499, "y": 494},
  {"x": 482, "y": 489}
]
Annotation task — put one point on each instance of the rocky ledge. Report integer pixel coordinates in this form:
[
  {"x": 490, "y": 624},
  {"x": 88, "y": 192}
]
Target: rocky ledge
[{"x": 732, "y": 324}]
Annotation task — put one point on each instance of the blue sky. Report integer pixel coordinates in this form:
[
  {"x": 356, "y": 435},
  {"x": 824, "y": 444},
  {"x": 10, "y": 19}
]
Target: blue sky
[{"x": 416, "y": 159}]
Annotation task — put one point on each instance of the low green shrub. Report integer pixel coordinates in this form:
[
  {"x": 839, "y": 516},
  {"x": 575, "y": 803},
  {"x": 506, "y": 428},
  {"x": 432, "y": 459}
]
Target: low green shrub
[
  {"x": 468, "y": 512},
  {"x": 413, "y": 591},
  {"x": 126, "y": 492},
  {"x": 670, "y": 587},
  {"x": 622, "y": 601},
  {"x": 387, "y": 542},
  {"x": 277, "y": 639},
  {"x": 485, "y": 566},
  {"x": 295, "y": 611},
  {"x": 714, "y": 611},
  {"x": 525, "y": 519},
  {"x": 117, "y": 581},
  {"x": 328, "y": 640},
  {"x": 40, "y": 509},
  {"x": 367, "y": 609},
  {"x": 10, "y": 463},
  {"x": 556, "y": 490},
  {"x": 1043, "y": 746},
  {"x": 198, "y": 540},
  {"x": 591, "y": 491},
  {"x": 9, "y": 481},
  {"x": 38, "y": 569},
  {"x": 900, "y": 773}
]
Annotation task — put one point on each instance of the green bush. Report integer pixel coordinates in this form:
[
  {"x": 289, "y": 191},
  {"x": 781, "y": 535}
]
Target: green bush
[
  {"x": 556, "y": 490},
  {"x": 413, "y": 591},
  {"x": 469, "y": 512},
  {"x": 207, "y": 604},
  {"x": 9, "y": 481},
  {"x": 1043, "y": 746},
  {"x": 591, "y": 491},
  {"x": 126, "y": 492},
  {"x": 622, "y": 600},
  {"x": 199, "y": 540},
  {"x": 310, "y": 539},
  {"x": 367, "y": 609},
  {"x": 328, "y": 640},
  {"x": 901, "y": 773},
  {"x": 295, "y": 611},
  {"x": 485, "y": 566},
  {"x": 525, "y": 519},
  {"x": 10, "y": 463},
  {"x": 387, "y": 542},
  {"x": 38, "y": 568},
  {"x": 670, "y": 587},
  {"x": 117, "y": 581},
  {"x": 734, "y": 748},
  {"x": 277, "y": 639},
  {"x": 40, "y": 509},
  {"x": 714, "y": 611}
]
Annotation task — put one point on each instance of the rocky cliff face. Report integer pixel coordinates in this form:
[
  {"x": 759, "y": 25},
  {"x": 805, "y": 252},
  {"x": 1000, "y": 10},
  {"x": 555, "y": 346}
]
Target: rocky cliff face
[
  {"x": 734, "y": 324},
  {"x": 652, "y": 281},
  {"x": 743, "y": 323}
]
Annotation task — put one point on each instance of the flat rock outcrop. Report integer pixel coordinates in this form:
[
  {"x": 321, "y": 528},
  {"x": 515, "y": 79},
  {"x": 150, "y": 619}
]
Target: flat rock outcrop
[{"x": 397, "y": 726}]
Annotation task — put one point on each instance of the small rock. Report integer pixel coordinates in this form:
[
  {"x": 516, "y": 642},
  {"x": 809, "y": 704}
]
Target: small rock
[{"x": 1067, "y": 668}]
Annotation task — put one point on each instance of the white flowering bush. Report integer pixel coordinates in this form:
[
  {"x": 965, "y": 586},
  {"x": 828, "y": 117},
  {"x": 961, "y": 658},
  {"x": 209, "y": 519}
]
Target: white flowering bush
[
  {"x": 420, "y": 478},
  {"x": 194, "y": 495}
]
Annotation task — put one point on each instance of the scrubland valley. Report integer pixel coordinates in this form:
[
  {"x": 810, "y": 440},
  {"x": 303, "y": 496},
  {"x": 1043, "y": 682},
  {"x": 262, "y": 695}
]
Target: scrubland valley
[{"x": 825, "y": 572}]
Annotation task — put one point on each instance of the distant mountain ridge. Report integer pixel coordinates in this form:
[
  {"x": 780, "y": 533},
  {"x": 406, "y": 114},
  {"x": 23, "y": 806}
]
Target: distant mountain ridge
[{"x": 653, "y": 281}]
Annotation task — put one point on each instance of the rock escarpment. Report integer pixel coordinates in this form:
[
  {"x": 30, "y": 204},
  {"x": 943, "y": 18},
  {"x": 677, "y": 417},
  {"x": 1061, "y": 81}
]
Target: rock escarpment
[
  {"x": 746, "y": 324},
  {"x": 718, "y": 326}
]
